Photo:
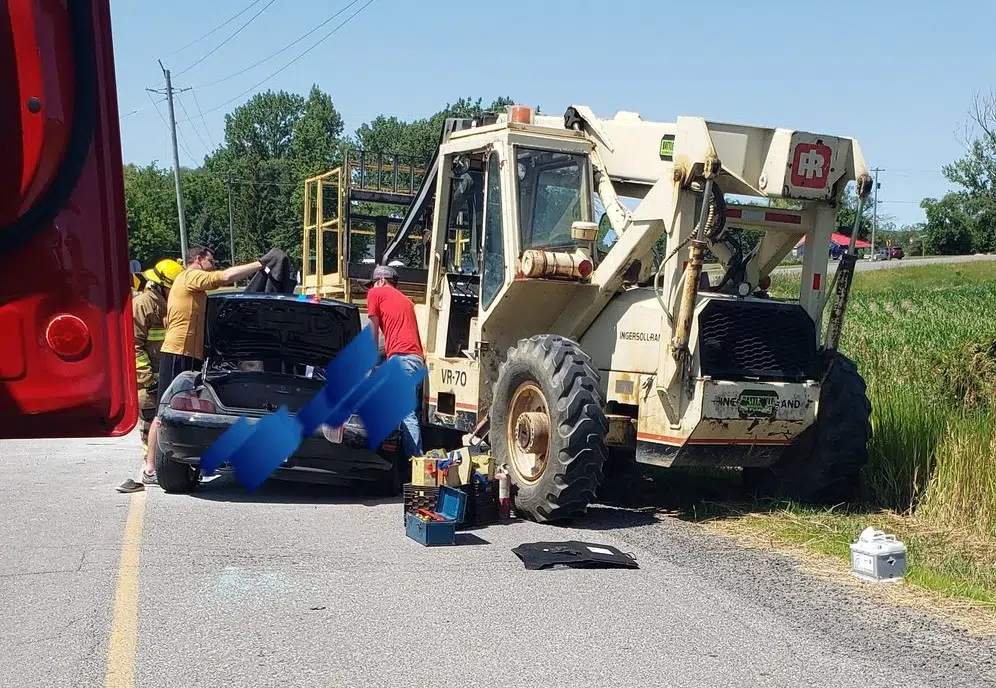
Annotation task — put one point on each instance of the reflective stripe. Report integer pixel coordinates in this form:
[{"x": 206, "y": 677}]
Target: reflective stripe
[
  {"x": 142, "y": 360},
  {"x": 156, "y": 335}
]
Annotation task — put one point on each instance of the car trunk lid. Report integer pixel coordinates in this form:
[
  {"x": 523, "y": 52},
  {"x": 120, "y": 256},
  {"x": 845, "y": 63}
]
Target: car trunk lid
[{"x": 277, "y": 328}]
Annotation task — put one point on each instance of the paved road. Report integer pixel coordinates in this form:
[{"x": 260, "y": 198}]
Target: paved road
[
  {"x": 302, "y": 587},
  {"x": 866, "y": 265}
]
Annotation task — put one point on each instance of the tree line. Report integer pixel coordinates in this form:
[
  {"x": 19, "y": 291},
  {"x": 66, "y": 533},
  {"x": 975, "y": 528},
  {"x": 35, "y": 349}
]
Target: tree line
[
  {"x": 277, "y": 139},
  {"x": 271, "y": 144},
  {"x": 964, "y": 220}
]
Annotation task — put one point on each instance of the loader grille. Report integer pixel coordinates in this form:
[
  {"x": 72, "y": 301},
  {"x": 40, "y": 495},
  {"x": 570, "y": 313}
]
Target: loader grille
[{"x": 757, "y": 340}]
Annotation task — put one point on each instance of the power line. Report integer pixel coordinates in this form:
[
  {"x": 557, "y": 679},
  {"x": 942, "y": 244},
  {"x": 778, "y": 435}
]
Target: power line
[
  {"x": 282, "y": 50},
  {"x": 315, "y": 45},
  {"x": 217, "y": 28},
  {"x": 192, "y": 125},
  {"x": 219, "y": 46},
  {"x": 203, "y": 121},
  {"x": 137, "y": 110}
]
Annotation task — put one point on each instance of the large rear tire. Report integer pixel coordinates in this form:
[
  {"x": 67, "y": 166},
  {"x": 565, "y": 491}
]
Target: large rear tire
[
  {"x": 824, "y": 465},
  {"x": 548, "y": 426}
]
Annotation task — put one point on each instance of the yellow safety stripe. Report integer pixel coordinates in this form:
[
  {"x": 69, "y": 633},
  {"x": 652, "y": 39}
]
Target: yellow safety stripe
[
  {"x": 156, "y": 335},
  {"x": 142, "y": 360}
]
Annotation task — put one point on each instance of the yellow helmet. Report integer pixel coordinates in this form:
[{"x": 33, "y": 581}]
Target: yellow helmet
[
  {"x": 136, "y": 282},
  {"x": 164, "y": 273}
]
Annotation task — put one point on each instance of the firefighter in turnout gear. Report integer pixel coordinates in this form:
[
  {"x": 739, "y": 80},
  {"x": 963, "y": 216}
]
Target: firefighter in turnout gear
[{"x": 149, "y": 316}]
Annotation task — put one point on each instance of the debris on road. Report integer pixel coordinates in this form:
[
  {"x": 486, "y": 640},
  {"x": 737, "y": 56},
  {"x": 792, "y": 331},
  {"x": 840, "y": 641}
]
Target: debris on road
[{"x": 573, "y": 554}]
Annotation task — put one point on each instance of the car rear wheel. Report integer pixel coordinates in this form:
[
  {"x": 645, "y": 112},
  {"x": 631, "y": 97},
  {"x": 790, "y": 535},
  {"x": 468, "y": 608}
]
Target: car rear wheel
[{"x": 174, "y": 476}]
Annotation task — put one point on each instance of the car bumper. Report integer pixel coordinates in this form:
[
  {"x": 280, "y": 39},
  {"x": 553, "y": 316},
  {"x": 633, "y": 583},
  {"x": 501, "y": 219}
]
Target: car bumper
[{"x": 184, "y": 436}]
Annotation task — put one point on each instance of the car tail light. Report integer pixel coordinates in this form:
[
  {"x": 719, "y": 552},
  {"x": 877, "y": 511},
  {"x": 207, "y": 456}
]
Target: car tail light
[{"x": 189, "y": 401}]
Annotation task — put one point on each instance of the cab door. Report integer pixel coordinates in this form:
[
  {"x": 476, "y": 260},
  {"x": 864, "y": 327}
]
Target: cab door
[{"x": 67, "y": 366}]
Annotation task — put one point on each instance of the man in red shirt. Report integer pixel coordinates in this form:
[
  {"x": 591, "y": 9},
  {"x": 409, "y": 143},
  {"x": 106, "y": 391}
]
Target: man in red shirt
[{"x": 393, "y": 313}]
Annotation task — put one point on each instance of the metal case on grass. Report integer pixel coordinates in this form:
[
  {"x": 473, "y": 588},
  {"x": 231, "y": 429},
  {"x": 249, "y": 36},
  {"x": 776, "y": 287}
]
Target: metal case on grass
[{"x": 878, "y": 557}]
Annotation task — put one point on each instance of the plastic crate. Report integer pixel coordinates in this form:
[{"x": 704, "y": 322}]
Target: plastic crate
[
  {"x": 482, "y": 504},
  {"x": 419, "y": 497}
]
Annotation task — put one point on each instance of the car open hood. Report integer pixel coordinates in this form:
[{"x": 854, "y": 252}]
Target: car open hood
[{"x": 277, "y": 327}]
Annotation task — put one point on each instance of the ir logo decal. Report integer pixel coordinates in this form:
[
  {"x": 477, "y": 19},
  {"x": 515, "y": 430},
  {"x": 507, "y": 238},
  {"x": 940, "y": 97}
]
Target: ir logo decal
[{"x": 811, "y": 165}]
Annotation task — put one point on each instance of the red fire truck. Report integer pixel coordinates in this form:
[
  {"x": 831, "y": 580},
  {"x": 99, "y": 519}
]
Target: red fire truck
[{"x": 66, "y": 362}]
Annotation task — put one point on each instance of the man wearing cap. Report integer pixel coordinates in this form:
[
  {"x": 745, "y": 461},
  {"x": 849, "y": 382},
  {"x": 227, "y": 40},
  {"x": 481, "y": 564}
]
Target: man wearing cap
[
  {"x": 393, "y": 313},
  {"x": 148, "y": 314}
]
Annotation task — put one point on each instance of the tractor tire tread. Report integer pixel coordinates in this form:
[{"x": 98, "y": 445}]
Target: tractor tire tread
[
  {"x": 824, "y": 465},
  {"x": 577, "y": 418}
]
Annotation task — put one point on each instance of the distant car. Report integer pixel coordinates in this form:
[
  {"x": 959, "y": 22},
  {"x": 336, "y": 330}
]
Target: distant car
[
  {"x": 889, "y": 253},
  {"x": 264, "y": 351}
]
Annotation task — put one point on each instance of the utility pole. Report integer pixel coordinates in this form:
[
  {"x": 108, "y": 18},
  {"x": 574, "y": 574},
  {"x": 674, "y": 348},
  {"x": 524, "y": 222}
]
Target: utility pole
[
  {"x": 176, "y": 161},
  {"x": 231, "y": 222},
  {"x": 875, "y": 210}
]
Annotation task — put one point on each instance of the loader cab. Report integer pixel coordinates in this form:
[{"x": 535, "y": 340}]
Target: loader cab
[{"x": 508, "y": 194}]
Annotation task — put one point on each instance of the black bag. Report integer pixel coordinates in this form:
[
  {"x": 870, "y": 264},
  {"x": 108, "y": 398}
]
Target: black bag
[
  {"x": 277, "y": 275},
  {"x": 574, "y": 554}
]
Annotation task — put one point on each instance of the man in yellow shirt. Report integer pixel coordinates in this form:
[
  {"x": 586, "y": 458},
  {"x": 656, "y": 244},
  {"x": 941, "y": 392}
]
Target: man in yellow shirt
[{"x": 183, "y": 344}]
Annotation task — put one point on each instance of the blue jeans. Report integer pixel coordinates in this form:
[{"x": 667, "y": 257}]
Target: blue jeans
[{"x": 411, "y": 430}]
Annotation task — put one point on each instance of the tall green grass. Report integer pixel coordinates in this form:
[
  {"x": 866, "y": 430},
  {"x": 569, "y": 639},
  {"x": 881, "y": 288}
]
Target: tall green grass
[{"x": 923, "y": 339}]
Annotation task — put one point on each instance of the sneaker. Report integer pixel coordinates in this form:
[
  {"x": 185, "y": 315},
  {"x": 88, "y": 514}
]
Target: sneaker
[
  {"x": 149, "y": 478},
  {"x": 130, "y": 485}
]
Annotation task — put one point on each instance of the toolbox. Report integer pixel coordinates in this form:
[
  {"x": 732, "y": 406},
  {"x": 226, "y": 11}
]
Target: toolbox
[
  {"x": 425, "y": 469},
  {"x": 440, "y": 528},
  {"x": 455, "y": 468}
]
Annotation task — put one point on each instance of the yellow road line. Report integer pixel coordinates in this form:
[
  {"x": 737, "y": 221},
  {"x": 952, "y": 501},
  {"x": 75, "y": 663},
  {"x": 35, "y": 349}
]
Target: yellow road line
[{"x": 124, "y": 627}]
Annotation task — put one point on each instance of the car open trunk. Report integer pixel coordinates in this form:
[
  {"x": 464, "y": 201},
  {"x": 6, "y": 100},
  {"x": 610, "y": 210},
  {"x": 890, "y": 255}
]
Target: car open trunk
[
  {"x": 264, "y": 351},
  {"x": 259, "y": 391}
]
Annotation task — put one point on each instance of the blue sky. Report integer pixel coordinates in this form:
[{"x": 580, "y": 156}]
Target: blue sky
[{"x": 899, "y": 77}]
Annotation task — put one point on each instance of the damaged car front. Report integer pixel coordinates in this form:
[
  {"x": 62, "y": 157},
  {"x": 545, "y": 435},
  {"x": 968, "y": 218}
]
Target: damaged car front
[{"x": 264, "y": 351}]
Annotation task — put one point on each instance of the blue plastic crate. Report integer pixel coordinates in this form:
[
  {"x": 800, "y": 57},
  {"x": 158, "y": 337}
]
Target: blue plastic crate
[{"x": 451, "y": 505}]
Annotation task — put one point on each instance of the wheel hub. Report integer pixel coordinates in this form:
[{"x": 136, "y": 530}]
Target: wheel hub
[
  {"x": 532, "y": 432},
  {"x": 528, "y": 432}
]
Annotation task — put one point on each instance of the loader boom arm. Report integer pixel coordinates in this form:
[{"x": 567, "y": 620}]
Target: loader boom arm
[{"x": 665, "y": 165}]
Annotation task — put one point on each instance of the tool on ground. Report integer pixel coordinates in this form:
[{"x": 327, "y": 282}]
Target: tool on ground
[
  {"x": 438, "y": 527},
  {"x": 555, "y": 347},
  {"x": 467, "y": 469},
  {"x": 573, "y": 554}
]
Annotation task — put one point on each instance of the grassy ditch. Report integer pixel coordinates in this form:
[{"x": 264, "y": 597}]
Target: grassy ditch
[{"x": 924, "y": 338}]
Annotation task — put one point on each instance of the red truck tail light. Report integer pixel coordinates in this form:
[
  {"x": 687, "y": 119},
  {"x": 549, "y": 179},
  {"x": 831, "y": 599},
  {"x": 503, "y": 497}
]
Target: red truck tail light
[
  {"x": 67, "y": 336},
  {"x": 189, "y": 401}
]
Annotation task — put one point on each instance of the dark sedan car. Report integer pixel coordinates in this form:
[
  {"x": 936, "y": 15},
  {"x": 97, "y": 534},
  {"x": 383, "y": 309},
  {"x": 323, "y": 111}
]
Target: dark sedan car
[{"x": 264, "y": 351}]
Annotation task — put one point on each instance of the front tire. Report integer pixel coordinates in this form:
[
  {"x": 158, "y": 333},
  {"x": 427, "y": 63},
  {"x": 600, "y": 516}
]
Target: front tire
[
  {"x": 548, "y": 427},
  {"x": 824, "y": 465},
  {"x": 175, "y": 477}
]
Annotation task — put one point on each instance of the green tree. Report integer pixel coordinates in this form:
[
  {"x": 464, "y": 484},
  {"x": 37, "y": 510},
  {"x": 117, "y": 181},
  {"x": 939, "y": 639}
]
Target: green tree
[
  {"x": 150, "y": 207},
  {"x": 949, "y": 225},
  {"x": 965, "y": 220},
  {"x": 208, "y": 233}
]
